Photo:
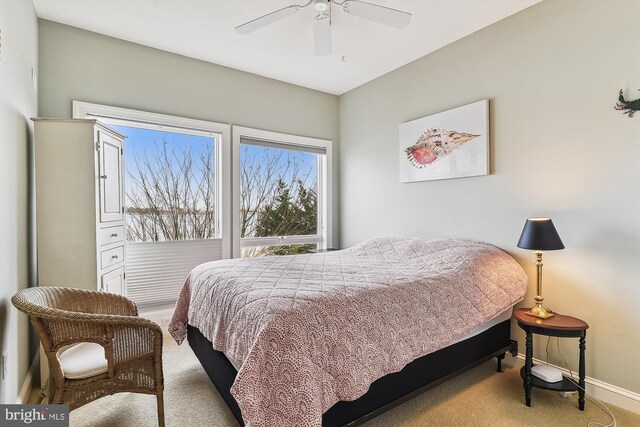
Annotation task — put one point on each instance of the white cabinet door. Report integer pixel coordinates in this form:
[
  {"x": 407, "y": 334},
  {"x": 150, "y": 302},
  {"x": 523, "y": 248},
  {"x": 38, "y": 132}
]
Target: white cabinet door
[
  {"x": 114, "y": 282},
  {"x": 110, "y": 175}
]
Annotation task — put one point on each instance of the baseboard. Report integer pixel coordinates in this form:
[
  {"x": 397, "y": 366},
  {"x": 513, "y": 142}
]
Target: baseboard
[
  {"x": 605, "y": 392},
  {"x": 27, "y": 386}
]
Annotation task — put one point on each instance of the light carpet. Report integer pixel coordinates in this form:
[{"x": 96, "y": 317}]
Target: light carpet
[{"x": 479, "y": 397}]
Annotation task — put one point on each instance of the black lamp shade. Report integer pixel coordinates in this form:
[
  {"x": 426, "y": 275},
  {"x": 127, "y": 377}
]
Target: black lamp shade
[{"x": 539, "y": 234}]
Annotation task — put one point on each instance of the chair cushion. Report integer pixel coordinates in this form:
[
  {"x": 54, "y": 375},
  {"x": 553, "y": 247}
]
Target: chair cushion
[{"x": 83, "y": 360}]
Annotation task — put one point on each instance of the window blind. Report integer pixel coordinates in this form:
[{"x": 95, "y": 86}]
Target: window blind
[
  {"x": 282, "y": 145},
  {"x": 156, "y": 271}
]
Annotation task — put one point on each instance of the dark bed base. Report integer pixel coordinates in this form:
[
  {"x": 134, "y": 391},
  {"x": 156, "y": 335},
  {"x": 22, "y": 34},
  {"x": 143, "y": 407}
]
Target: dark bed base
[{"x": 385, "y": 393}]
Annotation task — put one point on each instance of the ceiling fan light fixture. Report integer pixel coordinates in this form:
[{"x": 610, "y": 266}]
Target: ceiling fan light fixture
[{"x": 321, "y": 5}]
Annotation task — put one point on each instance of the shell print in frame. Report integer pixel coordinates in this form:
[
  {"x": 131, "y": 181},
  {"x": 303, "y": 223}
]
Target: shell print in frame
[
  {"x": 434, "y": 144},
  {"x": 445, "y": 145}
]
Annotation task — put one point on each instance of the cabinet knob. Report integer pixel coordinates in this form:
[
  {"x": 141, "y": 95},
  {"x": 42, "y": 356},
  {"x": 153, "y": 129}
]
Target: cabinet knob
[
  {"x": 103, "y": 176},
  {"x": 114, "y": 234},
  {"x": 115, "y": 257}
]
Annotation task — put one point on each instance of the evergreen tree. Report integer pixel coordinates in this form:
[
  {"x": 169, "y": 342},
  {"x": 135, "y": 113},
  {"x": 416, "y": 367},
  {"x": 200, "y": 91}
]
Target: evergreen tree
[{"x": 289, "y": 215}]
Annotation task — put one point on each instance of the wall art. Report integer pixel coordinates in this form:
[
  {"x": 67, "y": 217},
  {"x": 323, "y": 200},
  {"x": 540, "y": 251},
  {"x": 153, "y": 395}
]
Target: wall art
[
  {"x": 451, "y": 144},
  {"x": 627, "y": 107}
]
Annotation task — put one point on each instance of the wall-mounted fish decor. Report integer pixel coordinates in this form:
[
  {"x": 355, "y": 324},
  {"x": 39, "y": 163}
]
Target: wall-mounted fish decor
[
  {"x": 434, "y": 144},
  {"x": 627, "y": 107}
]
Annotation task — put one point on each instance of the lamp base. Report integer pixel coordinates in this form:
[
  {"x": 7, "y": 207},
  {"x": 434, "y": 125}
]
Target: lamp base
[{"x": 541, "y": 312}]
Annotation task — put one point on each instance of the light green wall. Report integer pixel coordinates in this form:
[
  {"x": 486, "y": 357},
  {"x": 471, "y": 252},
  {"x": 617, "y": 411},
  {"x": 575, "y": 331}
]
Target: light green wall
[
  {"x": 558, "y": 148},
  {"x": 86, "y": 66},
  {"x": 18, "y": 102}
]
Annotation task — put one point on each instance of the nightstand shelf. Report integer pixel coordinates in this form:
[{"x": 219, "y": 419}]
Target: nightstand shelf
[{"x": 566, "y": 384}]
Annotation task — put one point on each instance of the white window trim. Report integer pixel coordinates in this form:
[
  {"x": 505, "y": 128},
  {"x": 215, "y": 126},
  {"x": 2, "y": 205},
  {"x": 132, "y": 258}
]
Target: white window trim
[
  {"x": 325, "y": 176},
  {"x": 251, "y": 242},
  {"x": 149, "y": 120}
]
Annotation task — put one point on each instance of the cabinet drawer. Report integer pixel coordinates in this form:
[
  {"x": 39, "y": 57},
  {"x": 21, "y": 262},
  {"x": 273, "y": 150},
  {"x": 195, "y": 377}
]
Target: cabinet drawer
[
  {"x": 111, "y": 257},
  {"x": 110, "y": 235}
]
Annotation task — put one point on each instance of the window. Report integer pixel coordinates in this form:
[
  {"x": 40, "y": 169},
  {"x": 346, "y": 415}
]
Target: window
[
  {"x": 281, "y": 193},
  {"x": 177, "y": 197},
  {"x": 170, "y": 185},
  {"x": 193, "y": 195}
]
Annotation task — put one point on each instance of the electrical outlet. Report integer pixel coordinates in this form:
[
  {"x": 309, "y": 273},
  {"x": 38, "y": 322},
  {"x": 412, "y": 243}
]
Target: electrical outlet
[{"x": 5, "y": 367}]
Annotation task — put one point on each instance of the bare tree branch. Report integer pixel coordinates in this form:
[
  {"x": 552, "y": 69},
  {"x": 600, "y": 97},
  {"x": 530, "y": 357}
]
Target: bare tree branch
[{"x": 172, "y": 195}]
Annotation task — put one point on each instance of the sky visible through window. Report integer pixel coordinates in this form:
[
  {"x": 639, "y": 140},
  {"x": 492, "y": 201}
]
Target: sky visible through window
[
  {"x": 141, "y": 142},
  {"x": 278, "y": 197},
  {"x": 170, "y": 185},
  {"x": 291, "y": 164},
  {"x": 145, "y": 142}
]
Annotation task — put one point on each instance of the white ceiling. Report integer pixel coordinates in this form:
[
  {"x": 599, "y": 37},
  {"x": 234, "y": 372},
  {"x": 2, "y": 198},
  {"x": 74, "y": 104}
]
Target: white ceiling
[{"x": 204, "y": 29}]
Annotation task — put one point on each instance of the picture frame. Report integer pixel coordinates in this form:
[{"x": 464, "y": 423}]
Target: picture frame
[{"x": 446, "y": 145}]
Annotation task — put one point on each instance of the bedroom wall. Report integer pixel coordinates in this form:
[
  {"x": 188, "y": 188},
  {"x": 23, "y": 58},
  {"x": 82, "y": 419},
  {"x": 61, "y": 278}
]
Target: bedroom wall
[
  {"x": 18, "y": 102},
  {"x": 81, "y": 65},
  {"x": 558, "y": 148}
]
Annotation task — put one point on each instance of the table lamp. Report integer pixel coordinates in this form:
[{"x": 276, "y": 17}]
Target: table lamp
[{"x": 540, "y": 235}]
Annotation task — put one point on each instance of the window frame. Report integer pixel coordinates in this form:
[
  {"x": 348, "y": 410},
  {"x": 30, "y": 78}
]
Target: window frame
[
  {"x": 325, "y": 189},
  {"x": 156, "y": 121}
]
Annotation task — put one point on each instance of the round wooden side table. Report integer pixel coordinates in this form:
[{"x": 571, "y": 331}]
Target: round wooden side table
[{"x": 557, "y": 326}]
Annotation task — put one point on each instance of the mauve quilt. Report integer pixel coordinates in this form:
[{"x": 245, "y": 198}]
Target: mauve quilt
[{"x": 310, "y": 330}]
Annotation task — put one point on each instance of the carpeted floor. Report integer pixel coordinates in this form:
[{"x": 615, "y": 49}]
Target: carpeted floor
[{"x": 479, "y": 397}]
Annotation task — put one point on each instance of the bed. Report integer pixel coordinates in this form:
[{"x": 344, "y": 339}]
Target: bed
[{"x": 336, "y": 338}]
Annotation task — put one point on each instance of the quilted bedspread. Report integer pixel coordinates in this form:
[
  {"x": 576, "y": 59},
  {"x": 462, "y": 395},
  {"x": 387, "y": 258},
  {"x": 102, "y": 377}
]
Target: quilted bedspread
[{"x": 310, "y": 330}]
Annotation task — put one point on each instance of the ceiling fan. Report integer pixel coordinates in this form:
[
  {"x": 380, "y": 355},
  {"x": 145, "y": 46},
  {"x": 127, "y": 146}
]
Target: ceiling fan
[{"x": 322, "y": 22}]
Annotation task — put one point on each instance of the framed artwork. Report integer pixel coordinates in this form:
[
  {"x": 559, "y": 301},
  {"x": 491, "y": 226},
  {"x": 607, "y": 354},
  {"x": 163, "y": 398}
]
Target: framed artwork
[{"x": 451, "y": 144}]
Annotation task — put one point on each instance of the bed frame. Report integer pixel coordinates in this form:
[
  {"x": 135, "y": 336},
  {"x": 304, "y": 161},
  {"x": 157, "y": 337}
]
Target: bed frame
[{"x": 387, "y": 392}]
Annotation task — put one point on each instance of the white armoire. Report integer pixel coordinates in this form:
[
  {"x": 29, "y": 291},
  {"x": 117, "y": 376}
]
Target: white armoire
[{"x": 80, "y": 217}]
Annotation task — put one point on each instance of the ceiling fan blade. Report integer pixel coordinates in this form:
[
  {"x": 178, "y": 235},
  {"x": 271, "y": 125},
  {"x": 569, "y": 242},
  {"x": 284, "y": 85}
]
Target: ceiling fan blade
[
  {"x": 322, "y": 33},
  {"x": 374, "y": 12},
  {"x": 270, "y": 18}
]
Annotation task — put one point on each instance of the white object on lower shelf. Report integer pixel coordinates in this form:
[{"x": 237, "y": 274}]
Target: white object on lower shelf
[{"x": 547, "y": 373}]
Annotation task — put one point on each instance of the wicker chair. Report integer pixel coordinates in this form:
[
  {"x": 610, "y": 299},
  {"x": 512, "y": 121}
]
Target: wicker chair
[{"x": 132, "y": 346}]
